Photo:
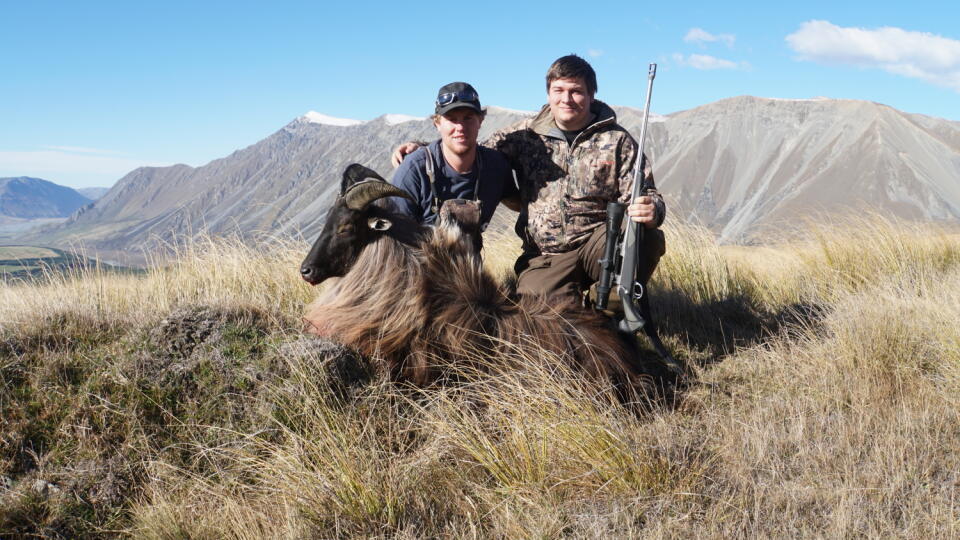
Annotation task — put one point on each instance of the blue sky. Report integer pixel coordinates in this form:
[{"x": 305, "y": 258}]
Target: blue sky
[{"x": 91, "y": 90}]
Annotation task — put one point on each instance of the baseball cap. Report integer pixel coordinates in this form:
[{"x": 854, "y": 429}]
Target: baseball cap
[{"x": 455, "y": 95}]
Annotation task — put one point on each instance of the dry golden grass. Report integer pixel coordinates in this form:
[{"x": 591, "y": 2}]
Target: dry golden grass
[
  {"x": 500, "y": 251},
  {"x": 846, "y": 256},
  {"x": 825, "y": 404},
  {"x": 207, "y": 271}
]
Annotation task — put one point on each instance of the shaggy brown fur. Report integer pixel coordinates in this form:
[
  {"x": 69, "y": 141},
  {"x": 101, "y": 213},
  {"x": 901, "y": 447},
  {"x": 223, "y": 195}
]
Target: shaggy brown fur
[{"x": 432, "y": 304}]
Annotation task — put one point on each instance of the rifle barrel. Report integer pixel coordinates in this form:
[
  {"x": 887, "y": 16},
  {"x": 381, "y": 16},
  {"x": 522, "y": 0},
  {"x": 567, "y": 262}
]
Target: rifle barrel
[
  {"x": 632, "y": 318},
  {"x": 638, "y": 169}
]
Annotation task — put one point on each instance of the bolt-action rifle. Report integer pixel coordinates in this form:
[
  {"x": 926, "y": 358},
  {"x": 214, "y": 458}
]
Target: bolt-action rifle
[{"x": 621, "y": 255}]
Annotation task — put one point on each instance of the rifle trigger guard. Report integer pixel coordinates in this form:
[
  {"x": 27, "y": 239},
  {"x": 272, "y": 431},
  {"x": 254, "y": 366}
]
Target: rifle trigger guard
[{"x": 637, "y": 290}]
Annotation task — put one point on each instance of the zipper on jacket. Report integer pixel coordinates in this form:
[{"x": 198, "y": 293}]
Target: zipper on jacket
[
  {"x": 563, "y": 222},
  {"x": 568, "y": 161}
]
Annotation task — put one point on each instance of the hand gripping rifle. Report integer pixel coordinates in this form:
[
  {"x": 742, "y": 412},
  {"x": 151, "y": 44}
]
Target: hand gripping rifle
[{"x": 623, "y": 251}]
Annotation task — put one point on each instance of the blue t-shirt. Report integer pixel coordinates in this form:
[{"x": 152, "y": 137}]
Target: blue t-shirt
[{"x": 495, "y": 182}]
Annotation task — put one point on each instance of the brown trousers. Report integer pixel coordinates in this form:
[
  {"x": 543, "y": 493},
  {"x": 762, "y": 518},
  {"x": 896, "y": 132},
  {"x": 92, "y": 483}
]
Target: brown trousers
[{"x": 575, "y": 271}]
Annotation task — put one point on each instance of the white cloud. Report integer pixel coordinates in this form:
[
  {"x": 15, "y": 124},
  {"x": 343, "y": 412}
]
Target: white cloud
[
  {"x": 701, "y": 36},
  {"x": 58, "y": 160},
  {"x": 705, "y": 61},
  {"x": 84, "y": 150},
  {"x": 595, "y": 53},
  {"x": 920, "y": 55}
]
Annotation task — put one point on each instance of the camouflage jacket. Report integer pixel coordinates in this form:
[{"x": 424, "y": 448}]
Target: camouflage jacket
[{"x": 564, "y": 188}]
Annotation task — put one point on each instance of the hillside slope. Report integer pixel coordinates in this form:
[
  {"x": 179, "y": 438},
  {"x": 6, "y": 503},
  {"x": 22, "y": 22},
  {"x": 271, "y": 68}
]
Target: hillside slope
[{"x": 186, "y": 402}]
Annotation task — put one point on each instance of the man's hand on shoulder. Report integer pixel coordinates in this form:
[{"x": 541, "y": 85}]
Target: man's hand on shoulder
[
  {"x": 643, "y": 210},
  {"x": 402, "y": 151}
]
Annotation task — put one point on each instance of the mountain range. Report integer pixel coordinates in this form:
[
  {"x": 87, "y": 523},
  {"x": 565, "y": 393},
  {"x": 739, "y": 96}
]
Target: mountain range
[
  {"x": 746, "y": 166},
  {"x": 741, "y": 166},
  {"x": 24, "y": 197}
]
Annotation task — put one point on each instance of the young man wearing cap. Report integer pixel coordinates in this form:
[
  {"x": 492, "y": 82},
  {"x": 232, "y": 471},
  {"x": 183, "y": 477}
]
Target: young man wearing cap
[{"x": 454, "y": 166}]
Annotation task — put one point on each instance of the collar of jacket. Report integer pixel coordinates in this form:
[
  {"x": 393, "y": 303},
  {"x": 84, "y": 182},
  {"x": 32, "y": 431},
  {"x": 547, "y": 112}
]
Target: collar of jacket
[{"x": 543, "y": 124}]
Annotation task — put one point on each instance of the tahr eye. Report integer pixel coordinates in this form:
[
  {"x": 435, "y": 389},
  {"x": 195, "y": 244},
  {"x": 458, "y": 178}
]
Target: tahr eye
[
  {"x": 379, "y": 224},
  {"x": 346, "y": 228}
]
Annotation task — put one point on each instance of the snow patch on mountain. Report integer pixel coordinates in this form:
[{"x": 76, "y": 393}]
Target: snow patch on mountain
[
  {"x": 394, "y": 119},
  {"x": 317, "y": 118}
]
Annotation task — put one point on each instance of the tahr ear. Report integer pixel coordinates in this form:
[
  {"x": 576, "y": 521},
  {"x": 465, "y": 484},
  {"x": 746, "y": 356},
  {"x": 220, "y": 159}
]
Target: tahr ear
[
  {"x": 379, "y": 224},
  {"x": 355, "y": 174}
]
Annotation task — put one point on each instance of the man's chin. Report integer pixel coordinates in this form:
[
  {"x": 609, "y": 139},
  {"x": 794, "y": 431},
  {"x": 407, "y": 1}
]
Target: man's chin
[
  {"x": 460, "y": 148},
  {"x": 571, "y": 120}
]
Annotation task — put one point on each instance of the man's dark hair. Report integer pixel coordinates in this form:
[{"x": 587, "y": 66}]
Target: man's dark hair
[{"x": 572, "y": 67}]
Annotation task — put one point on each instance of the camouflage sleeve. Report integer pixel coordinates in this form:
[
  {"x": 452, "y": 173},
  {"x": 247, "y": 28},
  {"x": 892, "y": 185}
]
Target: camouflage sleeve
[
  {"x": 505, "y": 140},
  {"x": 625, "y": 159}
]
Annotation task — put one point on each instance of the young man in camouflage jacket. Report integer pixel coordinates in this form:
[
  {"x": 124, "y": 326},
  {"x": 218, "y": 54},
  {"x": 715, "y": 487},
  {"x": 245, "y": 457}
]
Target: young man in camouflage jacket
[{"x": 570, "y": 160}]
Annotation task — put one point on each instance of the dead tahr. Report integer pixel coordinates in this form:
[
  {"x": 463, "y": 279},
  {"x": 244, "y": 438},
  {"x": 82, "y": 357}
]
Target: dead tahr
[{"x": 417, "y": 297}]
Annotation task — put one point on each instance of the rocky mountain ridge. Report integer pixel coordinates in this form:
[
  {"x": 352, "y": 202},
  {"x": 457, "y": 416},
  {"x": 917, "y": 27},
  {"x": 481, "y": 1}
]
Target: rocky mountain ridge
[{"x": 744, "y": 165}]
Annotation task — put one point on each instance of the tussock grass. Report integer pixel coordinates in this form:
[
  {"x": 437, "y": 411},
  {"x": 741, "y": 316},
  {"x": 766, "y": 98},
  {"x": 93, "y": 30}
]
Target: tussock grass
[
  {"x": 203, "y": 271},
  {"x": 184, "y": 403},
  {"x": 847, "y": 256},
  {"x": 501, "y": 249},
  {"x": 847, "y": 426}
]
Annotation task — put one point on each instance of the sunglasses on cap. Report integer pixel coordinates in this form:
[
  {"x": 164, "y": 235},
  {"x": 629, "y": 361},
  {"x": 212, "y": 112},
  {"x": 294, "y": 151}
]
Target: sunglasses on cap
[{"x": 450, "y": 97}]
